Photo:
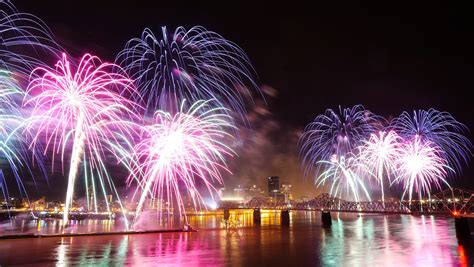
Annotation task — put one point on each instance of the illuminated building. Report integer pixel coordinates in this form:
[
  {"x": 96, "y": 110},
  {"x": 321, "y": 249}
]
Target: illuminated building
[
  {"x": 286, "y": 191},
  {"x": 254, "y": 191},
  {"x": 39, "y": 204},
  {"x": 273, "y": 185},
  {"x": 240, "y": 192}
]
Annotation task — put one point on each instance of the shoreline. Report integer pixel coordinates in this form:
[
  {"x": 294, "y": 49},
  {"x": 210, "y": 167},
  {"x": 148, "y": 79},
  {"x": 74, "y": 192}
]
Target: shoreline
[{"x": 131, "y": 232}]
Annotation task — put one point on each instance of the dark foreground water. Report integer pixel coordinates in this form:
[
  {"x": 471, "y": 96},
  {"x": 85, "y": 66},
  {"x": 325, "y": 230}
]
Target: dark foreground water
[{"x": 353, "y": 240}]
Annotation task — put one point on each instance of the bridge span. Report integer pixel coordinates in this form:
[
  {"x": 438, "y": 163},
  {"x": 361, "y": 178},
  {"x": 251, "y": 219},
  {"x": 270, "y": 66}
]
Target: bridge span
[{"x": 453, "y": 201}]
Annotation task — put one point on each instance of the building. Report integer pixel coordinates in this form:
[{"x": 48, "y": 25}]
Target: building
[
  {"x": 255, "y": 191},
  {"x": 39, "y": 204},
  {"x": 302, "y": 199},
  {"x": 240, "y": 192},
  {"x": 286, "y": 191},
  {"x": 53, "y": 206},
  {"x": 273, "y": 185},
  {"x": 279, "y": 197}
]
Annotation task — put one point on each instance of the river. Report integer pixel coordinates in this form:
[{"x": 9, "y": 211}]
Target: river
[{"x": 352, "y": 240}]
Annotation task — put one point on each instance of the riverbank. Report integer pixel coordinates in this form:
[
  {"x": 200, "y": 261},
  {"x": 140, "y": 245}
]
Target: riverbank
[{"x": 34, "y": 235}]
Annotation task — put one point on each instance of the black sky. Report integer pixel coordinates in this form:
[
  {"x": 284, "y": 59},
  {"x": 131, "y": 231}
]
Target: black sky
[{"x": 388, "y": 58}]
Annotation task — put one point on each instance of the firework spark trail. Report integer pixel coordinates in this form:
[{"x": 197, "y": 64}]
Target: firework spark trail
[
  {"x": 25, "y": 41},
  {"x": 86, "y": 103},
  {"x": 379, "y": 154},
  {"x": 343, "y": 172},
  {"x": 190, "y": 64},
  {"x": 13, "y": 143},
  {"x": 440, "y": 128},
  {"x": 335, "y": 134},
  {"x": 10, "y": 116},
  {"x": 420, "y": 166},
  {"x": 177, "y": 152}
]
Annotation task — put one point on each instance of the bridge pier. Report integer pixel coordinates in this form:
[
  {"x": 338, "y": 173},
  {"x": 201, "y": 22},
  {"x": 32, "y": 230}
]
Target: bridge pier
[
  {"x": 326, "y": 218},
  {"x": 285, "y": 217},
  {"x": 257, "y": 217},
  {"x": 226, "y": 214},
  {"x": 461, "y": 225}
]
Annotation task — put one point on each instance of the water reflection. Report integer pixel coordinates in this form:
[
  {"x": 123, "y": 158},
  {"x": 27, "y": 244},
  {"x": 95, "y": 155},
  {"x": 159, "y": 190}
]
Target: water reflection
[
  {"x": 352, "y": 240},
  {"x": 61, "y": 252},
  {"x": 393, "y": 241}
]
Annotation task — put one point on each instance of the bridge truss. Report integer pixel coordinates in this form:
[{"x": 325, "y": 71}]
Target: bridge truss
[{"x": 450, "y": 201}]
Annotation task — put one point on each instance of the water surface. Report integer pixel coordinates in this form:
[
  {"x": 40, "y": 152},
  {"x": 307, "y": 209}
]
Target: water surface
[{"x": 352, "y": 240}]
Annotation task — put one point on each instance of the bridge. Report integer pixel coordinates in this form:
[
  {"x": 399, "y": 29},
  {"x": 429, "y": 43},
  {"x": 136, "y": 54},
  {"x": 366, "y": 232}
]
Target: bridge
[{"x": 453, "y": 201}]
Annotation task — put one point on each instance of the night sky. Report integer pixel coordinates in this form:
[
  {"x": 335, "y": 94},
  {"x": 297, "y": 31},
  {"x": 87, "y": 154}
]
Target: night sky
[{"x": 387, "y": 58}]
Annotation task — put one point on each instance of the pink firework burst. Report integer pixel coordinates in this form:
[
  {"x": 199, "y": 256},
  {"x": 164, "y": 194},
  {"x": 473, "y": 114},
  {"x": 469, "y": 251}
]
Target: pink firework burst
[
  {"x": 379, "y": 154},
  {"x": 178, "y": 153},
  {"x": 82, "y": 107},
  {"x": 420, "y": 166}
]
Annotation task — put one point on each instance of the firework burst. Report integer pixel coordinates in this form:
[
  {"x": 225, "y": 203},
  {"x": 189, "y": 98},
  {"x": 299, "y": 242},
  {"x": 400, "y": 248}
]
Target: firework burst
[
  {"x": 336, "y": 133},
  {"x": 420, "y": 166},
  {"x": 439, "y": 128},
  {"x": 379, "y": 154},
  {"x": 178, "y": 152},
  {"x": 82, "y": 107},
  {"x": 344, "y": 174},
  {"x": 190, "y": 64}
]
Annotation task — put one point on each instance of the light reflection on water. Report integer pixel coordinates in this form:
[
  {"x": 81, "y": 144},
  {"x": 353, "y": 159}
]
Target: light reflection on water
[
  {"x": 208, "y": 220},
  {"x": 395, "y": 240}
]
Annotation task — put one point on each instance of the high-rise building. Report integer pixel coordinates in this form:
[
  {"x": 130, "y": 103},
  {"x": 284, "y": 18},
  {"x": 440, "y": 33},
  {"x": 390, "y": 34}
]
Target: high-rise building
[
  {"x": 273, "y": 185},
  {"x": 286, "y": 191}
]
